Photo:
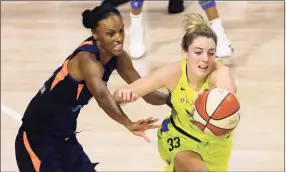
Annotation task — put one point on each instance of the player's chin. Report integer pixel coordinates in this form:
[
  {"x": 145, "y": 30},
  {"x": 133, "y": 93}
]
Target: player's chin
[
  {"x": 117, "y": 52},
  {"x": 203, "y": 73}
]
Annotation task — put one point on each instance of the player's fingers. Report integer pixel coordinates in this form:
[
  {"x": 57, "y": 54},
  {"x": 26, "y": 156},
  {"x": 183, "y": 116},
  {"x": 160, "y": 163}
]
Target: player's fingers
[
  {"x": 125, "y": 94},
  {"x": 121, "y": 94},
  {"x": 154, "y": 126},
  {"x": 153, "y": 121},
  {"x": 133, "y": 96},
  {"x": 146, "y": 137},
  {"x": 149, "y": 118},
  {"x": 146, "y": 121},
  {"x": 117, "y": 95},
  {"x": 128, "y": 95},
  {"x": 140, "y": 121},
  {"x": 122, "y": 97}
]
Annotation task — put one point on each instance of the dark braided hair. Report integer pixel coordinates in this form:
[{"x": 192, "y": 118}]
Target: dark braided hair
[{"x": 91, "y": 18}]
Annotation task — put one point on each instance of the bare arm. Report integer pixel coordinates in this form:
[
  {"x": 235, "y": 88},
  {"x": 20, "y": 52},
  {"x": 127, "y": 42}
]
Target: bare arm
[
  {"x": 221, "y": 77},
  {"x": 158, "y": 79},
  {"x": 127, "y": 71},
  {"x": 91, "y": 72}
]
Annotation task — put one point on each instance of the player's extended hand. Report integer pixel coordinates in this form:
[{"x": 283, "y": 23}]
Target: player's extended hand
[
  {"x": 125, "y": 95},
  {"x": 138, "y": 128}
]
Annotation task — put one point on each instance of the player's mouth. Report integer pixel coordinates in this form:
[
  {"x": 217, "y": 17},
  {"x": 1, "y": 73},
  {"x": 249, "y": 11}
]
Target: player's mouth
[
  {"x": 203, "y": 67},
  {"x": 118, "y": 47}
]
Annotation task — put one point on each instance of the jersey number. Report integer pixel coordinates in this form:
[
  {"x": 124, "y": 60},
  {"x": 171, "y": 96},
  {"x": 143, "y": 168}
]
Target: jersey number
[{"x": 174, "y": 143}]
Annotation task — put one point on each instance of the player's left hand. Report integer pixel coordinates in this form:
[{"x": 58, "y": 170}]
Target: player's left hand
[
  {"x": 138, "y": 128},
  {"x": 125, "y": 95}
]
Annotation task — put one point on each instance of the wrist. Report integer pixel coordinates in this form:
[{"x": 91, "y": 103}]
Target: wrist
[{"x": 127, "y": 123}]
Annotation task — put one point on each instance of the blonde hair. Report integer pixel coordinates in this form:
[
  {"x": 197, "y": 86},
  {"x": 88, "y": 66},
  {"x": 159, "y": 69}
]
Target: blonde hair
[{"x": 195, "y": 25}]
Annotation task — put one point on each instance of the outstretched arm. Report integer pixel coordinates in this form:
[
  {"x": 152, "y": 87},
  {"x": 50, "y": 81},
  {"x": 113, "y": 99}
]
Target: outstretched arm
[
  {"x": 127, "y": 71},
  {"x": 91, "y": 71},
  {"x": 221, "y": 77},
  {"x": 162, "y": 77}
]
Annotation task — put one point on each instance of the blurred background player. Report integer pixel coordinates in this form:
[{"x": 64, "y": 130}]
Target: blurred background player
[
  {"x": 224, "y": 48},
  {"x": 175, "y": 6},
  {"x": 137, "y": 46}
]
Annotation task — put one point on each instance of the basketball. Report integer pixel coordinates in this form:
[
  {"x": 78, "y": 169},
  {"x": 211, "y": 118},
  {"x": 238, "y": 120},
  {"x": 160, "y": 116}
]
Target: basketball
[{"x": 216, "y": 112}]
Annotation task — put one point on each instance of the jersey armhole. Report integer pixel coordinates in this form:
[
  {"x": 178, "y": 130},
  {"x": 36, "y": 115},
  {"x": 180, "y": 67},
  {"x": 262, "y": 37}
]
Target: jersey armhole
[
  {"x": 178, "y": 84},
  {"x": 180, "y": 77}
]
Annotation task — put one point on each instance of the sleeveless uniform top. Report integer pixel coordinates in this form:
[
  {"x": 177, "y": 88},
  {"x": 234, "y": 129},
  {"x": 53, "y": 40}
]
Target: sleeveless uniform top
[
  {"x": 56, "y": 106},
  {"x": 182, "y": 98}
]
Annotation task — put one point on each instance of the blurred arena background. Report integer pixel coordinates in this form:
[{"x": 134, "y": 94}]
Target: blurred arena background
[{"x": 36, "y": 37}]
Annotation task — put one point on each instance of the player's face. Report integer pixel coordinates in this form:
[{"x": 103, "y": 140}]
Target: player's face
[
  {"x": 110, "y": 35},
  {"x": 201, "y": 56}
]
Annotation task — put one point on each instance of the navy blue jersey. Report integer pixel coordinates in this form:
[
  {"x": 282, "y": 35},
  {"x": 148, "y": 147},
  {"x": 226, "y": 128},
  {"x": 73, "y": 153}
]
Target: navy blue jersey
[{"x": 56, "y": 106}]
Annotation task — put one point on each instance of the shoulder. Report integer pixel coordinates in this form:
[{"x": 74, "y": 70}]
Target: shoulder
[
  {"x": 173, "y": 68},
  {"x": 123, "y": 57},
  {"x": 86, "y": 55},
  {"x": 168, "y": 70},
  {"x": 124, "y": 62},
  {"x": 171, "y": 74},
  {"x": 87, "y": 61},
  {"x": 88, "y": 45}
]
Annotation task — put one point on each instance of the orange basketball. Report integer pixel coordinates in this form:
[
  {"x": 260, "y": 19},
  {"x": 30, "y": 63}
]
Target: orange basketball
[{"x": 216, "y": 112}]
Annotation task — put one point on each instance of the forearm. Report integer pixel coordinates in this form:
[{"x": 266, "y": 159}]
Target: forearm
[
  {"x": 156, "y": 98},
  {"x": 112, "y": 109},
  {"x": 223, "y": 78},
  {"x": 92, "y": 73}
]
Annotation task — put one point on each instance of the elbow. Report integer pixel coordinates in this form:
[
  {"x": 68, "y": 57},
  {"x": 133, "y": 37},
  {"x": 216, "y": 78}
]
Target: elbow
[
  {"x": 151, "y": 102},
  {"x": 101, "y": 100},
  {"x": 148, "y": 100},
  {"x": 100, "y": 104},
  {"x": 155, "y": 99}
]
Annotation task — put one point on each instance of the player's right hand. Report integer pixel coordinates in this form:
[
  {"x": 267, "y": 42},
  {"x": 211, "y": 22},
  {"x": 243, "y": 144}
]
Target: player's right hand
[
  {"x": 125, "y": 95},
  {"x": 138, "y": 128}
]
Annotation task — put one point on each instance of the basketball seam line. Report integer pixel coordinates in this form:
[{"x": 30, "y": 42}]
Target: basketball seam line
[
  {"x": 222, "y": 128},
  {"x": 205, "y": 109},
  {"x": 227, "y": 116},
  {"x": 215, "y": 109}
]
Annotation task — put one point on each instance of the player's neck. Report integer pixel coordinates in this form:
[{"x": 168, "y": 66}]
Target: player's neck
[
  {"x": 104, "y": 56},
  {"x": 195, "y": 82}
]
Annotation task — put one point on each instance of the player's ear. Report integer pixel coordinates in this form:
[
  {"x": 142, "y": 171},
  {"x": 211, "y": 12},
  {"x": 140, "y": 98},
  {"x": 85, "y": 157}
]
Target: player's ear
[
  {"x": 185, "y": 54},
  {"x": 94, "y": 35}
]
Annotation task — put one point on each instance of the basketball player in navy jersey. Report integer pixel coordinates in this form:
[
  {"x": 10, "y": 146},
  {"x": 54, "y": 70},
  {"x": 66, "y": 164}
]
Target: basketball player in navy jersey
[{"x": 46, "y": 140}]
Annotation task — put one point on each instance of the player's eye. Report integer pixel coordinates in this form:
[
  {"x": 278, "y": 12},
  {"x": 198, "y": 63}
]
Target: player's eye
[{"x": 110, "y": 34}]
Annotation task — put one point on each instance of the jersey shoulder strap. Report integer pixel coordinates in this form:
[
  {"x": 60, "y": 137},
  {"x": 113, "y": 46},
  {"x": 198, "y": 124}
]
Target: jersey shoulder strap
[{"x": 88, "y": 45}]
